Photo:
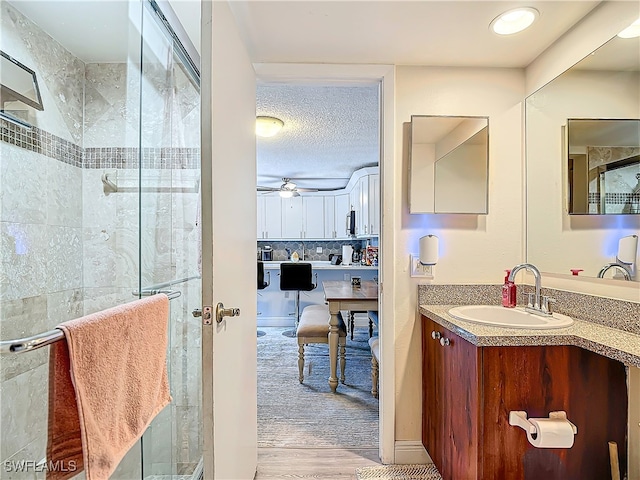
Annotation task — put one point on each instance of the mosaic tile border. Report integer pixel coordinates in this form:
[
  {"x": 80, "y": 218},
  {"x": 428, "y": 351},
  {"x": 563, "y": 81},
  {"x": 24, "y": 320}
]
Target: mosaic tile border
[
  {"x": 157, "y": 158},
  {"x": 37, "y": 140},
  {"x": 609, "y": 312},
  {"x": 614, "y": 198}
]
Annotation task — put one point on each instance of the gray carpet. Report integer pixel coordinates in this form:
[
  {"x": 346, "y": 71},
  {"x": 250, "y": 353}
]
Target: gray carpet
[{"x": 291, "y": 414}]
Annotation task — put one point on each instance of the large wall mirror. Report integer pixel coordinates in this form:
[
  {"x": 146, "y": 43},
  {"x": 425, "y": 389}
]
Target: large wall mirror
[
  {"x": 583, "y": 174},
  {"x": 449, "y": 161}
]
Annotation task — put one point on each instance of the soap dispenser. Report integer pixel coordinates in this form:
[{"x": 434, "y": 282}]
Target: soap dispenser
[{"x": 509, "y": 296}]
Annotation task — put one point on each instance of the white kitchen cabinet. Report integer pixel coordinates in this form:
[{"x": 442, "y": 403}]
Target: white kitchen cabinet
[
  {"x": 362, "y": 220},
  {"x": 316, "y": 217},
  {"x": 269, "y": 217},
  {"x": 374, "y": 204},
  {"x": 260, "y": 216},
  {"x": 292, "y": 217},
  {"x": 342, "y": 208},
  {"x": 329, "y": 216},
  {"x": 313, "y": 217}
]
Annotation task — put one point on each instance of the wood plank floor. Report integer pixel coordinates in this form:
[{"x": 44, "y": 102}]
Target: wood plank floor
[{"x": 317, "y": 463}]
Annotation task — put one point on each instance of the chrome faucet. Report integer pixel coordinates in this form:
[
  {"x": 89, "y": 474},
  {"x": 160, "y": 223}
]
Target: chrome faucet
[
  {"x": 625, "y": 273},
  {"x": 540, "y": 305}
]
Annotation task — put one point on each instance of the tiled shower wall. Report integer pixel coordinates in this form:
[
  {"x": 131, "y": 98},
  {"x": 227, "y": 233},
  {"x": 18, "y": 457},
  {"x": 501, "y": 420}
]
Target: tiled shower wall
[
  {"x": 69, "y": 248},
  {"x": 40, "y": 228}
]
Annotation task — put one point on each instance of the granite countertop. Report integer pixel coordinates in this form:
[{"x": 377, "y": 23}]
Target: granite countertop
[
  {"x": 321, "y": 265},
  {"x": 607, "y": 341}
]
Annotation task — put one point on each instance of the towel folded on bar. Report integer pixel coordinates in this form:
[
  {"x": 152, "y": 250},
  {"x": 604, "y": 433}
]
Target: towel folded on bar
[{"x": 107, "y": 382}]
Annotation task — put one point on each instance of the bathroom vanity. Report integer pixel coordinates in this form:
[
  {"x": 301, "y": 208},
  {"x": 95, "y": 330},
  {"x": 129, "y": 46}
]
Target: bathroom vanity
[{"x": 473, "y": 376}]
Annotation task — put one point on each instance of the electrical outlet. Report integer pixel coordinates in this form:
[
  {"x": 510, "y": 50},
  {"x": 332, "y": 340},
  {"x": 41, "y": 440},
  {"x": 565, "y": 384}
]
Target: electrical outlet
[
  {"x": 418, "y": 269},
  {"x": 318, "y": 249},
  {"x": 347, "y": 277}
]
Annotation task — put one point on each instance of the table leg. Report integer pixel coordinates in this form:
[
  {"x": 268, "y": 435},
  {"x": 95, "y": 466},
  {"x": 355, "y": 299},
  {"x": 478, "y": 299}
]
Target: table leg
[{"x": 334, "y": 335}]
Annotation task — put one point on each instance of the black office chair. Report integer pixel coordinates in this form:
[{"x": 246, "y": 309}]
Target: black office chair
[
  {"x": 261, "y": 283},
  {"x": 296, "y": 277}
]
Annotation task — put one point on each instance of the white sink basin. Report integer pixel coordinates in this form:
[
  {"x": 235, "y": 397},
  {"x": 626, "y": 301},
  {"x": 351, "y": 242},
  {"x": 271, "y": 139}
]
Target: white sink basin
[{"x": 498, "y": 316}]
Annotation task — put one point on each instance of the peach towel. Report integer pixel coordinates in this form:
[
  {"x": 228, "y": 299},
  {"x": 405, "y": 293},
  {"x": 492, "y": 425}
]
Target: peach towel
[{"x": 115, "y": 360}]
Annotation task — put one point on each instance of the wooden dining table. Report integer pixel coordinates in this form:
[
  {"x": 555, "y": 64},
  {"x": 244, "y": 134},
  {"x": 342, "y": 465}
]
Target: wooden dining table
[{"x": 341, "y": 295}]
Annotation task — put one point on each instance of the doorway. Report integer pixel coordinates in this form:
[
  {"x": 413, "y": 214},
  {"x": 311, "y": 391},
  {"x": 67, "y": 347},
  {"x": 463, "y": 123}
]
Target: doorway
[{"x": 328, "y": 147}]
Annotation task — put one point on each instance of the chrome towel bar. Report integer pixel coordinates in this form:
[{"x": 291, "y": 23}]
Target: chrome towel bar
[{"x": 40, "y": 340}]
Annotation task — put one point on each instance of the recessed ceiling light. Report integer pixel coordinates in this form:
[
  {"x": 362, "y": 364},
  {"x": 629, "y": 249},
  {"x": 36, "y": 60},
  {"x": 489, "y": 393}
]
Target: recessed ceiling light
[
  {"x": 632, "y": 31},
  {"x": 268, "y": 126},
  {"x": 514, "y": 21}
]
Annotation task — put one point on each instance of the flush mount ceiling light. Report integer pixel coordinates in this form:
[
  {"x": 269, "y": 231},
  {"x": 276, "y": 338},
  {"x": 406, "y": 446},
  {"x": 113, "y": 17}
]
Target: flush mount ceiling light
[
  {"x": 514, "y": 21},
  {"x": 268, "y": 126},
  {"x": 632, "y": 31}
]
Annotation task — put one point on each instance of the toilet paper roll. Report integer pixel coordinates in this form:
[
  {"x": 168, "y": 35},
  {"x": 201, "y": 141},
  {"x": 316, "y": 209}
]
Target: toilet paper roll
[
  {"x": 551, "y": 433},
  {"x": 429, "y": 250},
  {"x": 627, "y": 248}
]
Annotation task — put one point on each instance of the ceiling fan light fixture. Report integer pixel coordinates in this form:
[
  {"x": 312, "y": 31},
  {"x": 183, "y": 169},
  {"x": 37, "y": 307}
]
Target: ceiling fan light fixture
[
  {"x": 268, "y": 126},
  {"x": 632, "y": 31},
  {"x": 288, "y": 193},
  {"x": 514, "y": 21}
]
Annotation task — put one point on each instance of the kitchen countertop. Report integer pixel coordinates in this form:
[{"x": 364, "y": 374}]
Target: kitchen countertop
[
  {"x": 609, "y": 342},
  {"x": 321, "y": 265}
]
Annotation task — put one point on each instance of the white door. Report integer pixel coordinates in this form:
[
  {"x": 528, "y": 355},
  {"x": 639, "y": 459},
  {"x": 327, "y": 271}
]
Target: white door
[
  {"x": 313, "y": 217},
  {"x": 292, "y": 217},
  {"x": 329, "y": 216},
  {"x": 272, "y": 217},
  {"x": 228, "y": 249}
]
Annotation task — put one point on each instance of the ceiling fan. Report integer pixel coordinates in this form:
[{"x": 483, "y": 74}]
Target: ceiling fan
[{"x": 288, "y": 189}]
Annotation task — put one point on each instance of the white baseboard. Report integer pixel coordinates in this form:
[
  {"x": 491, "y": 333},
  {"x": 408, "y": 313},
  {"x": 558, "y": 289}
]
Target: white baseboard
[
  {"x": 411, "y": 452},
  {"x": 276, "y": 322}
]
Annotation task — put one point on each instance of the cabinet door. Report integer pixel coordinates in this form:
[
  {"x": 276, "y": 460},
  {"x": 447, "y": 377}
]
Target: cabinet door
[
  {"x": 461, "y": 394},
  {"x": 260, "y": 216},
  {"x": 292, "y": 217},
  {"x": 329, "y": 217},
  {"x": 432, "y": 395},
  {"x": 363, "y": 221},
  {"x": 342, "y": 208},
  {"x": 272, "y": 217},
  {"x": 374, "y": 204},
  {"x": 450, "y": 402},
  {"x": 312, "y": 217}
]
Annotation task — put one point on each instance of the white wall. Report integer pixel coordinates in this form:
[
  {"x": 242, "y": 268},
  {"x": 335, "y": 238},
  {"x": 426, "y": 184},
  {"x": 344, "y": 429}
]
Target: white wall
[{"x": 473, "y": 248}]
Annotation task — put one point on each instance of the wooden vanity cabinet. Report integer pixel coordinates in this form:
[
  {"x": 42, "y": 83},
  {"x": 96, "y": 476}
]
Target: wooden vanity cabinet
[{"x": 468, "y": 392}]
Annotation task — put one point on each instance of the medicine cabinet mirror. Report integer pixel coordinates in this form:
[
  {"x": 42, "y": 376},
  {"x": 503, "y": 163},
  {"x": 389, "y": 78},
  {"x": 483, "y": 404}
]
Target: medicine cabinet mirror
[
  {"x": 449, "y": 162},
  {"x": 583, "y": 173},
  {"x": 18, "y": 85}
]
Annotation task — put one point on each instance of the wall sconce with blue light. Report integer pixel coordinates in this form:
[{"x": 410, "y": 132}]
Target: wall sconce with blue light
[
  {"x": 625, "y": 265},
  {"x": 423, "y": 263}
]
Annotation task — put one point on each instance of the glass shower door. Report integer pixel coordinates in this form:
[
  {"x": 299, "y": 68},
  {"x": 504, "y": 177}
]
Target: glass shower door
[{"x": 169, "y": 172}]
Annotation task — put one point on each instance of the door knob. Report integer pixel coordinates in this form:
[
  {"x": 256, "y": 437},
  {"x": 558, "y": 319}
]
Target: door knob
[{"x": 222, "y": 312}]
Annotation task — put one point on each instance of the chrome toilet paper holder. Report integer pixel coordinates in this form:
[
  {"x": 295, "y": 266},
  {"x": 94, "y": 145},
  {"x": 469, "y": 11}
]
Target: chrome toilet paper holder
[{"x": 519, "y": 419}]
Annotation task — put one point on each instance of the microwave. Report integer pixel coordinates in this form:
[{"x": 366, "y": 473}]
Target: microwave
[{"x": 351, "y": 223}]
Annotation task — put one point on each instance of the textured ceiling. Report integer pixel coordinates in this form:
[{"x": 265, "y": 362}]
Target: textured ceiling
[{"x": 329, "y": 131}]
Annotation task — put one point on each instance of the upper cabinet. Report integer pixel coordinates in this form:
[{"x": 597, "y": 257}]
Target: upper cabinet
[
  {"x": 449, "y": 164},
  {"x": 313, "y": 221},
  {"x": 269, "y": 217},
  {"x": 323, "y": 216}
]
